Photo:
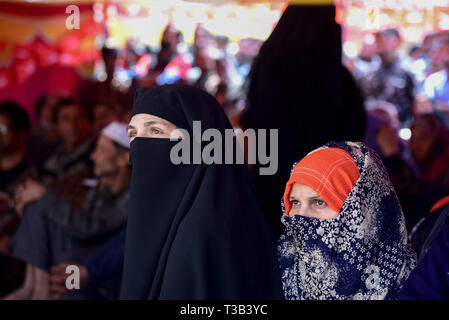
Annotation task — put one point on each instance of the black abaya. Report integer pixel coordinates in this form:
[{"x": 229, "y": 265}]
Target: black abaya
[
  {"x": 299, "y": 86},
  {"x": 194, "y": 231}
]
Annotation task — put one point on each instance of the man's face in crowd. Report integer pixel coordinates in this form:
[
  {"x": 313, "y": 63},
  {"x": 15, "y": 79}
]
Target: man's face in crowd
[
  {"x": 73, "y": 124},
  {"x": 107, "y": 158},
  {"x": 47, "y": 111},
  {"x": 8, "y": 135},
  {"x": 386, "y": 46}
]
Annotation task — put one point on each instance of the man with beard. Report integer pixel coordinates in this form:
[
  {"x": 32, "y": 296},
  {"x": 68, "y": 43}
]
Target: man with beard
[{"x": 53, "y": 231}]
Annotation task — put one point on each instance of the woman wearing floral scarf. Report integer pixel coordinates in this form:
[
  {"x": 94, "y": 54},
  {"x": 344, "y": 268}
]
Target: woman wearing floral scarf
[{"x": 345, "y": 234}]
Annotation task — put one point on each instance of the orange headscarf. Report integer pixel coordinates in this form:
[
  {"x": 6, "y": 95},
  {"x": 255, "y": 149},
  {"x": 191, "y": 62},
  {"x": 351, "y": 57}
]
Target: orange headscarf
[{"x": 330, "y": 172}]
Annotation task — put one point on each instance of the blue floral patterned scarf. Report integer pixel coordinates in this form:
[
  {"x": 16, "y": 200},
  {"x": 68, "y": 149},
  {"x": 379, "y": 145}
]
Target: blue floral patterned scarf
[{"x": 362, "y": 254}]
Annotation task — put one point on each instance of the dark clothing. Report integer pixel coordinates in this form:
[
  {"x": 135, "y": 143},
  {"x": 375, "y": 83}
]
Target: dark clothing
[
  {"x": 39, "y": 147},
  {"x": 62, "y": 163},
  {"x": 105, "y": 268},
  {"x": 56, "y": 172},
  {"x": 11, "y": 270},
  {"x": 50, "y": 228},
  {"x": 104, "y": 213},
  {"x": 430, "y": 279},
  {"x": 38, "y": 241},
  {"x": 8, "y": 179},
  {"x": 427, "y": 228},
  {"x": 289, "y": 92},
  {"x": 394, "y": 84},
  {"x": 65, "y": 172},
  {"x": 194, "y": 231},
  {"x": 12, "y": 273},
  {"x": 406, "y": 183},
  {"x": 109, "y": 261}
]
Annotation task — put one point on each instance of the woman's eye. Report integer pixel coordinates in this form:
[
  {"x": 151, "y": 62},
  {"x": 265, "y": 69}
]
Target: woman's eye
[
  {"x": 320, "y": 203},
  {"x": 294, "y": 202},
  {"x": 156, "y": 131},
  {"x": 131, "y": 134}
]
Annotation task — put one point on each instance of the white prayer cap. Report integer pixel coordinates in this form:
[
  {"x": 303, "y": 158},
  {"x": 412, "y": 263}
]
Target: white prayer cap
[{"x": 116, "y": 131}]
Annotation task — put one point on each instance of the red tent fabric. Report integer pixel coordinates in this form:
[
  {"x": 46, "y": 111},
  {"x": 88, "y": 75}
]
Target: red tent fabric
[{"x": 47, "y": 80}]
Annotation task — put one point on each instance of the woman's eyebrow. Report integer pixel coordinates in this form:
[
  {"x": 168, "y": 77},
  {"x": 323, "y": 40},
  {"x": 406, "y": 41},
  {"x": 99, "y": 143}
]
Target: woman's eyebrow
[
  {"x": 150, "y": 123},
  {"x": 315, "y": 198},
  {"x": 130, "y": 128}
]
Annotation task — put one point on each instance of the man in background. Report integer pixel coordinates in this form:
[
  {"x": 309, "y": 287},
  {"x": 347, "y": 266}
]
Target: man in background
[
  {"x": 53, "y": 230},
  {"x": 391, "y": 81},
  {"x": 436, "y": 86}
]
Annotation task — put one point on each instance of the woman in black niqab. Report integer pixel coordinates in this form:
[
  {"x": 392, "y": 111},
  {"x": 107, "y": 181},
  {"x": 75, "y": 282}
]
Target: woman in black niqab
[
  {"x": 194, "y": 231},
  {"x": 299, "y": 86}
]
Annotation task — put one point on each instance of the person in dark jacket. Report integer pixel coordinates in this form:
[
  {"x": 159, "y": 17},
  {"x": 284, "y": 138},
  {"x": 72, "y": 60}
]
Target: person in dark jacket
[
  {"x": 71, "y": 156},
  {"x": 100, "y": 273},
  {"x": 425, "y": 231},
  {"x": 53, "y": 230},
  {"x": 430, "y": 279},
  {"x": 391, "y": 81}
]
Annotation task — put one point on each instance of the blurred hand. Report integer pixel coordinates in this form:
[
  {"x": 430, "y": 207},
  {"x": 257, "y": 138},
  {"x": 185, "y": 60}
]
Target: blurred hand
[
  {"x": 58, "y": 278},
  {"x": 27, "y": 192},
  {"x": 388, "y": 142}
]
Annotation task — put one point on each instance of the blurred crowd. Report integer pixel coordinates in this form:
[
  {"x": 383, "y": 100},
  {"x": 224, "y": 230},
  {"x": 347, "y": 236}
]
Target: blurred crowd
[
  {"x": 407, "y": 104},
  {"x": 64, "y": 183},
  {"x": 414, "y": 83}
]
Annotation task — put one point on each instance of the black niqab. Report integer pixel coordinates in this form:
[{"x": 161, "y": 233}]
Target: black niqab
[
  {"x": 299, "y": 86},
  {"x": 194, "y": 231}
]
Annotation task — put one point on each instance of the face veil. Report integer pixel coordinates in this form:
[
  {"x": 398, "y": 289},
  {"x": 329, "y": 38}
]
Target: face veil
[
  {"x": 194, "y": 231},
  {"x": 362, "y": 254}
]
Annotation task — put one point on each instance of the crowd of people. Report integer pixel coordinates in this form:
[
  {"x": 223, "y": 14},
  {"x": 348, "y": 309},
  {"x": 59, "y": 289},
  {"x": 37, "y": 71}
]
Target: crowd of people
[
  {"x": 362, "y": 214},
  {"x": 408, "y": 92}
]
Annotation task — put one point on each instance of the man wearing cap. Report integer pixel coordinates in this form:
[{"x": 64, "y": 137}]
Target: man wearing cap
[{"x": 53, "y": 231}]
